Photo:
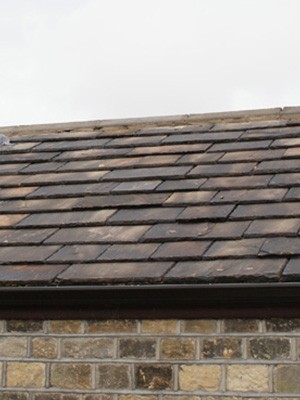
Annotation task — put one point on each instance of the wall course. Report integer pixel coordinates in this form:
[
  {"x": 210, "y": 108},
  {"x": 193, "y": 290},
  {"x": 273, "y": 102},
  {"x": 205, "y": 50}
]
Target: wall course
[{"x": 150, "y": 360}]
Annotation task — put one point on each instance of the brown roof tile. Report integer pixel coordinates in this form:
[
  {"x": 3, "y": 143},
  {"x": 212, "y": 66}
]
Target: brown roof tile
[{"x": 135, "y": 204}]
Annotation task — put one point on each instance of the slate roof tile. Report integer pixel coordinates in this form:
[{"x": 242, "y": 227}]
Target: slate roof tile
[{"x": 142, "y": 204}]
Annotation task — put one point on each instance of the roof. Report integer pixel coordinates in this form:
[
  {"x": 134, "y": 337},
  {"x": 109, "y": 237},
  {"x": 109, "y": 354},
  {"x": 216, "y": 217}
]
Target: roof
[{"x": 187, "y": 200}]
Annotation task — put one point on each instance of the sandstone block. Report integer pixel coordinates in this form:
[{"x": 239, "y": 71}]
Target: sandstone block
[
  {"x": 176, "y": 348},
  {"x": 87, "y": 348},
  {"x": 137, "y": 348},
  {"x": 200, "y": 326},
  {"x": 112, "y": 326},
  {"x": 269, "y": 348},
  {"x": 241, "y": 325},
  {"x": 44, "y": 347},
  {"x": 64, "y": 326},
  {"x": 113, "y": 376},
  {"x": 71, "y": 376},
  {"x": 248, "y": 378},
  {"x": 13, "y": 346},
  {"x": 286, "y": 379},
  {"x": 221, "y": 348},
  {"x": 154, "y": 377},
  {"x": 159, "y": 326},
  {"x": 26, "y": 375},
  {"x": 199, "y": 377},
  {"x": 24, "y": 326}
]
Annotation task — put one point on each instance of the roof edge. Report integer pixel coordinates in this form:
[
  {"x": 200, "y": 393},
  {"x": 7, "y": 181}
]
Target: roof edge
[
  {"x": 256, "y": 300},
  {"x": 227, "y": 116}
]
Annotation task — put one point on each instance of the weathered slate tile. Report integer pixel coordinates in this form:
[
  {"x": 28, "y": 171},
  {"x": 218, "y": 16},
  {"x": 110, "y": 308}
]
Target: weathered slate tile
[
  {"x": 177, "y": 231},
  {"x": 235, "y": 248},
  {"x": 26, "y": 254},
  {"x": 91, "y": 154},
  {"x": 279, "y": 166},
  {"x": 27, "y": 157},
  {"x": 12, "y": 180},
  {"x": 136, "y": 186},
  {"x": 16, "y": 193},
  {"x": 272, "y": 227},
  {"x": 271, "y": 133},
  {"x": 78, "y": 253},
  {"x": 181, "y": 250},
  {"x": 120, "y": 200},
  {"x": 12, "y": 169},
  {"x": 140, "y": 173},
  {"x": 145, "y": 215},
  {"x": 29, "y": 274},
  {"x": 222, "y": 169},
  {"x": 281, "y": 246},
  {"x": 286, "y": 179},
  {"x": 249, "y": 125},
  {"x": 115, "y": 272},
  {"x": 33, "y": 206},
  {"x": 42, "y": 167},
  {"x": 199, "y": 158},
  {"x": 249, "y": 195},
  {"x": 293, "y": 152},
  {"x": 174, "y": 129},
  {"x": 67, "y": 218},
  {"x": 136, "y": 141},
  {"x": 258, "y": 155},
  {"x": 245, "y": 145},
  {"x": 24, "y": 236},
  {"x": 291, "y": 271},
  {"x": 170, "y": 149},
  {"x": 98, "y": 234},
  {"x": 175, "y": 185},
  {"x": 266, "y": 210},
  {"x": 64, "y": 177},
  {"x": 184, "y": 198},
  {"x": 11, "y": 220},
  {"x": 18, "y": 147},
  {"x": 71, "y": 144},
  {"x": 293, "y": 142},
  {"x": 226, "y": 270},
  {"x": 211, "y": 212},
  {"x": 293, "y": 194},
  {"x": 129, "y": 252},
  {"x": 202, "y": 137},
  {"x": 72, "y": 190},
  {"x": 238, "y": 182}
]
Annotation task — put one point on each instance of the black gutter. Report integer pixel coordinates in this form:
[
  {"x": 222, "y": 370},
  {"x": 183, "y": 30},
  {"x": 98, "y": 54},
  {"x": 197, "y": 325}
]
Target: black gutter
[{"x": 220, "y": 300}]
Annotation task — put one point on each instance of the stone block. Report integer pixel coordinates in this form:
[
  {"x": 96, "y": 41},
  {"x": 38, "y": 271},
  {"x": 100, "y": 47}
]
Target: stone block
[
  {"x": 137, "y": 348},
  {"x": 113, "y": 376},
  {"x": 71, "y": 376},
  {"x": 154, "y": 377},
  {"x": 44, "y": 347},
  {"x": 177, "y": 348},
  {"x": 13, "y": 346},
  {"x": 221, "y": 348},
  {"x": 286, "y": 379},
  {"x": 159, "y": 326},
  {"x": 29, "y": 326},
  {"x": 112, "y": 326},
  {"x": 25, "y": 375},
  {"x": 240, "y": 325},
  {"x": 269, "y": 348},
  {"x": 87, "y": 348},
  {"x": 64, "y": 326},
  {"x": 200, "y": 326},
  {"x": 248, "y": 378},
  {"x": 199, "y": 377}
]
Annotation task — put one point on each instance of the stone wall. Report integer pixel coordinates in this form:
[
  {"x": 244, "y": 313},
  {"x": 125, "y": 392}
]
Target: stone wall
[{"x": 150, "y": 360}]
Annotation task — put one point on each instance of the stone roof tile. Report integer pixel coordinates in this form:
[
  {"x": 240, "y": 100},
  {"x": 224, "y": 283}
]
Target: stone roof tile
[{"x": 162, "y": 201}]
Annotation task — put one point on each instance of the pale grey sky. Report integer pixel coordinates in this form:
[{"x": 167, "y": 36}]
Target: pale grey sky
[{"x": 71, "y": 60}]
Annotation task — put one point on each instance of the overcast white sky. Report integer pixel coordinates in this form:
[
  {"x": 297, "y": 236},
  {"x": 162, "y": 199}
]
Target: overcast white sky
[{"x": 72, "y": 60}]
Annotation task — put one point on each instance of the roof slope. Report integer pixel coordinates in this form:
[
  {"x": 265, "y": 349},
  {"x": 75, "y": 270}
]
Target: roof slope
[{"x": 202, "y": 202}]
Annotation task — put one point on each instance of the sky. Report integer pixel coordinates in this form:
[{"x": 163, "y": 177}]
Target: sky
[{"x": 77, "y": 60}]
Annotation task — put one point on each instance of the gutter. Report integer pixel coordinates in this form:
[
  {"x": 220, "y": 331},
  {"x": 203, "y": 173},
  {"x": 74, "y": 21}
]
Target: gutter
[{"x": 218, "y": 300}]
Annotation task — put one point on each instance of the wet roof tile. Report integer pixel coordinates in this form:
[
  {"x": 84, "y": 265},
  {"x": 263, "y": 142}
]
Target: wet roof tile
[{"x": 202, "y": 202}]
